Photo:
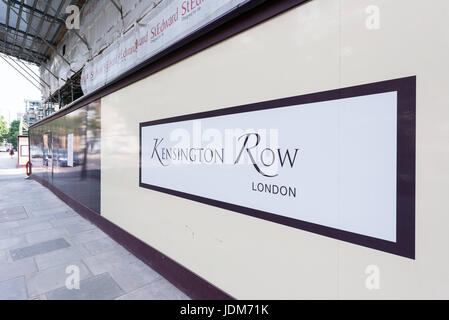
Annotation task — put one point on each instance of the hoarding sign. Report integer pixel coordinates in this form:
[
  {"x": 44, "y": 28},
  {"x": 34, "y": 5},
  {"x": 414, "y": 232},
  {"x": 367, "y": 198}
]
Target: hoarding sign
[
  {"x": 23, "y": 151},
  {"x": 170, "y": 22},
  {"x": 338, "y": 163}
]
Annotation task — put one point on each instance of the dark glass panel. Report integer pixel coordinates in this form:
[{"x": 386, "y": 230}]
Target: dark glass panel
[{"x": 50, "y": 154}]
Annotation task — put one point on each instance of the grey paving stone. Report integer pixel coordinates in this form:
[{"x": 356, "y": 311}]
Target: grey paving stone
[
  {"x": 13, "y": 210},
  {"x": 105, "y": 262},
  {"x": 3, "y": 256},
  {"x": 100, "y": 287},
  {"x": 38, "y": 226},
  {"x": 13, "y": 289},
  {"x": 133, "y": 276},
  {"x": 87, "y": 236},
  {"x": 101, "y": 245},
  {"x": 15, "y": 242},
  {"x": 52, "y": 205},
  {"x": 60, "y": 257},
  {"x": 34, "y": 220},
  {"x": 44, "y": 212},
  {"x": 39, "y": 297},
  {"x": 9, "y": 225},
  {"x": 14, "y": 217},
  {"x": 38, "y": 248},
  {"x": 10, "y": 203},
  {"x": 53, "y": 278},
  {"x": 46, "y": 235},
  {"x": 13, "y": 214},
  {"x": 79, "y": 227},
  {"x": 41, "y": 217},
  {"x": 17, "y": 269},
  {"x": 5, "y": 234},
  {"x": 67, "y": 221},
  {"x": 65, "y": 214},
  {"x": 42, "y": 196},
  {"x": 37, "y": 204},
  {"x": 159, "y": 289}
]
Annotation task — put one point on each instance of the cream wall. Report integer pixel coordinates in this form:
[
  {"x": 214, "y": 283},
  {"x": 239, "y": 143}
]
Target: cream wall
[{"x": 321, "y": 45}]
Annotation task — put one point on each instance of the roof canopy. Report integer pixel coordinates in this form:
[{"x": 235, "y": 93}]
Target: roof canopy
[{"x": 31, "y": 29}]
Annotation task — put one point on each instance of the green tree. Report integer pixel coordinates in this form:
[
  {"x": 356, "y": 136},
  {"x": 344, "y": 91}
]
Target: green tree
[
  {"x": 3, "y": 130},
  {"x": 13, "y": 133}
]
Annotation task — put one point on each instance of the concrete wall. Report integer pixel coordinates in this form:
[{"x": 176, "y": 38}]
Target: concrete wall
[{"x": 321, "y": 45}]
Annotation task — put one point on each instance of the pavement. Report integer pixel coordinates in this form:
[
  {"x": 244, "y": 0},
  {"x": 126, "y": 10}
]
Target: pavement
[{"x": 49, "y": 252}]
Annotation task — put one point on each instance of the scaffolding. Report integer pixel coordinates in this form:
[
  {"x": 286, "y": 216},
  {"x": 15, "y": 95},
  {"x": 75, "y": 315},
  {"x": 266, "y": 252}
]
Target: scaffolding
[{"x": 30, "y": 31}]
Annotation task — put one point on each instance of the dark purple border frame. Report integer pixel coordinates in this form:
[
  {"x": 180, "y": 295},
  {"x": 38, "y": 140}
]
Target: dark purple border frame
[{"x": 405, "y": 196}]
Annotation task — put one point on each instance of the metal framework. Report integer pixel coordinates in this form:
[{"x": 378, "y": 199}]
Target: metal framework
[{"x": 30, "y": 31}]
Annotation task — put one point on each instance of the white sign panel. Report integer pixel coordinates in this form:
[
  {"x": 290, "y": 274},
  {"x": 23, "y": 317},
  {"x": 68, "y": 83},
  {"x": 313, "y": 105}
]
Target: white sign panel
[
  {"x": 322, "y": 164},
  {"x": 70, "y": 150},
  {"x": 23, "y": 150}
]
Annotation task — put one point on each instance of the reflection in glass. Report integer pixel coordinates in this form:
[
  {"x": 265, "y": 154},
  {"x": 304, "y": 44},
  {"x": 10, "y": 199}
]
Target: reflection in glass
[{"x": 66, "y": 151}]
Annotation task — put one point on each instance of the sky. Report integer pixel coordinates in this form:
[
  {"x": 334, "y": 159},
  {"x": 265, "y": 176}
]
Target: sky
[{"x": 14, "y": 89}]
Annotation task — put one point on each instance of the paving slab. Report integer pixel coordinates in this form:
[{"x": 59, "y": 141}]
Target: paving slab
[
  {"x": 39, "y": 297},
  {"x": 10, "y": 243},
  {"x": 107, "y": 261},
  {"x": 53, "y": 278},
  {"x": 87, "y": 236},
  {"x": 3, "y": 256},
  {"x": 38, "y": 248},
  {"x": 9, "y": 225},
  {"x": 134, "y": 276},
  {"x": 33, "y": 227},
  {"x": 5, "y": 234},
  {"x": 101, "y": 245},
  {"x": 13, "y": 289},
  {"x": 159, "y": 289},
  {"x": 45, "y": 235},
  {"x": 60, "y": 257},
  {"x": 13, "y": 214},
  {"x": 68, "y": 220},
  {"x": 31, "y": 269},
  {"x": 79, "y": 227},
  {"x": 100, "y": 287},
  {"x": 44, "y": 212},
  {"x": 12, "y": 210},
  {"x": 20, "y": 268},
  {"x": 49, "y": 205},
  {"x": 34, "y": 220}
]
